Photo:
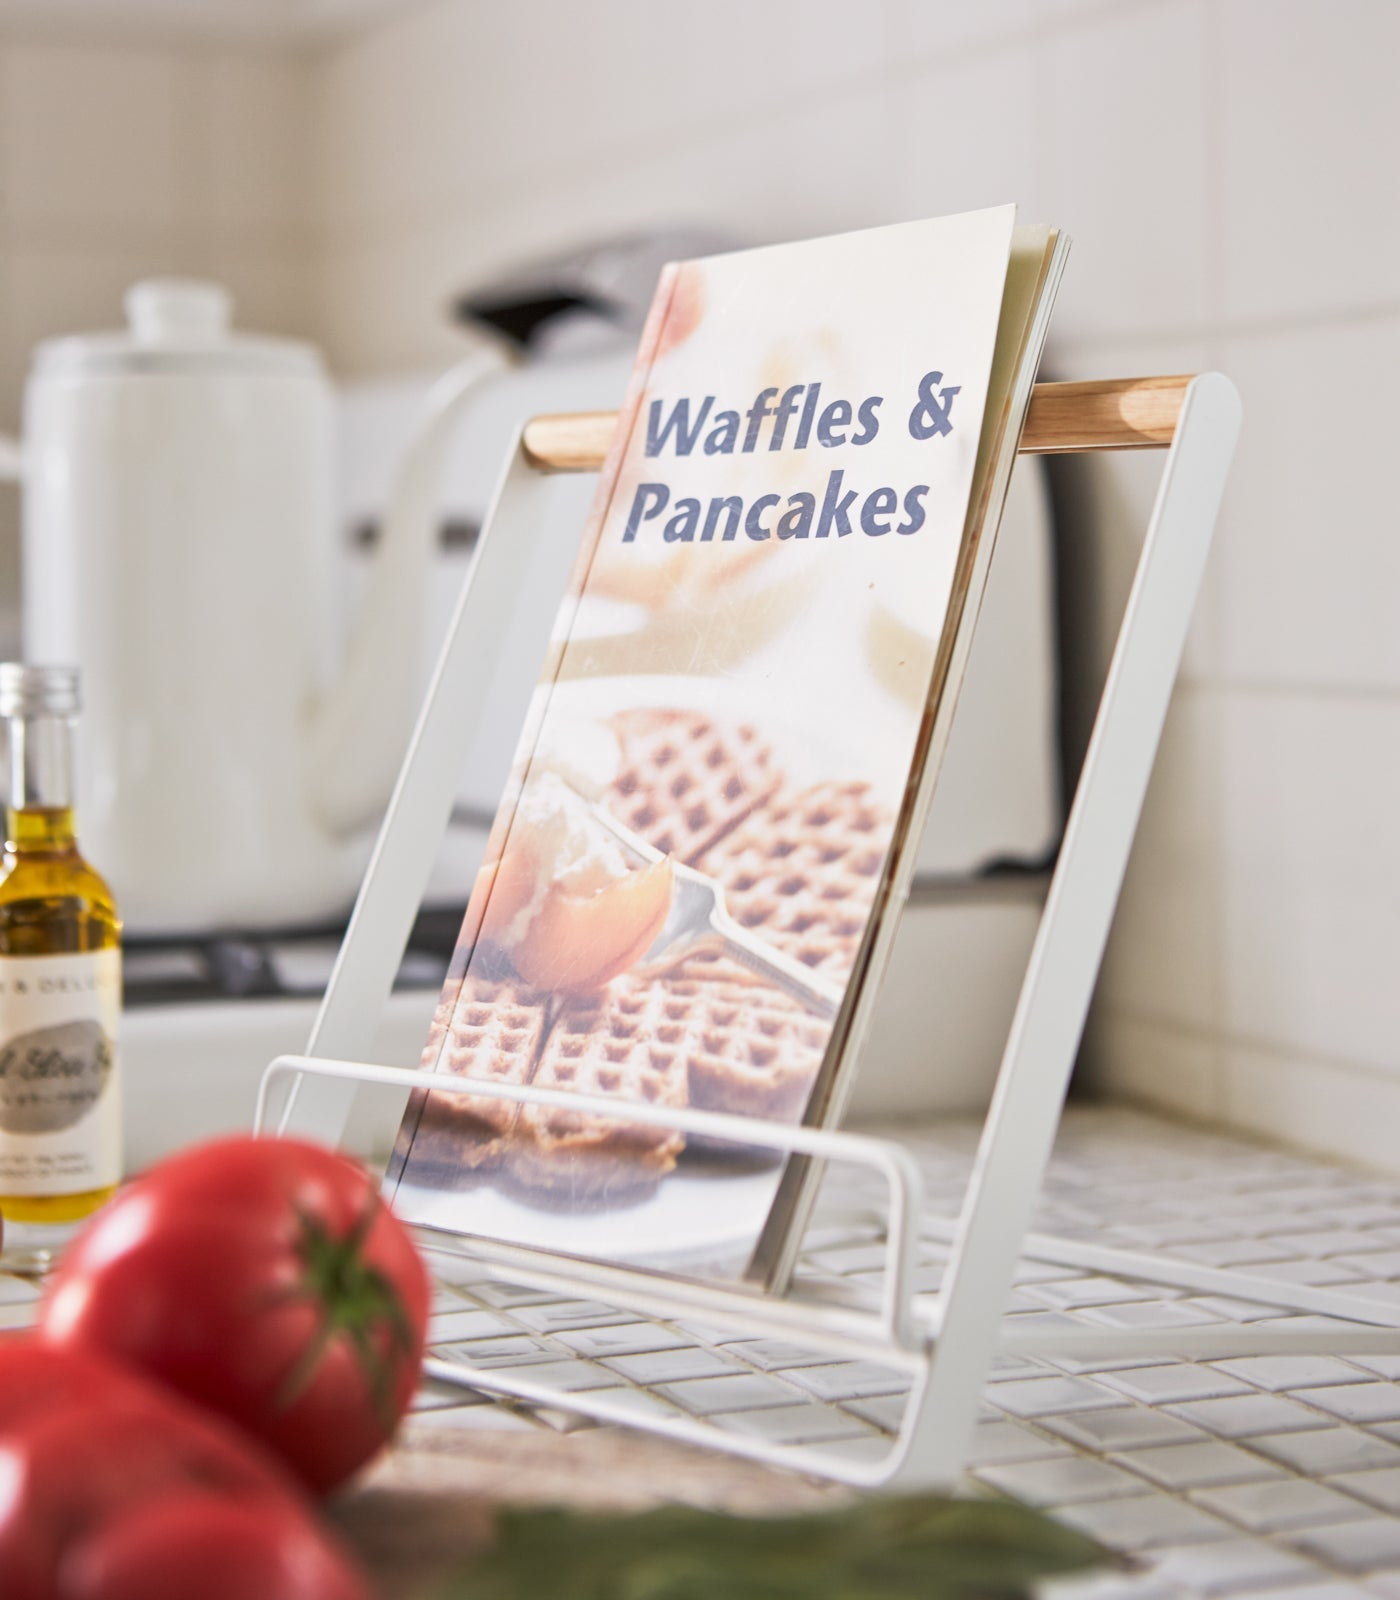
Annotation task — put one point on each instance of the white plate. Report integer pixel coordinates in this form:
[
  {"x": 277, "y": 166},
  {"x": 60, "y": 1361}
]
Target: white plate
[{"x": 695, "y": 1218}]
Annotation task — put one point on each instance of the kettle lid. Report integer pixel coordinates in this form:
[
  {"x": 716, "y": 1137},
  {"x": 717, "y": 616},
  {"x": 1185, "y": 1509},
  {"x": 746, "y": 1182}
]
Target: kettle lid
[{"x": 176, "y": 325}]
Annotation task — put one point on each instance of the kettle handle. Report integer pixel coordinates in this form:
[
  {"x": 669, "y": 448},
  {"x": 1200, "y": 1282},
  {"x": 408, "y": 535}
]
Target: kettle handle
[
  {"x": 11, "y": 459},
  {"x": 359, "y": 732}
]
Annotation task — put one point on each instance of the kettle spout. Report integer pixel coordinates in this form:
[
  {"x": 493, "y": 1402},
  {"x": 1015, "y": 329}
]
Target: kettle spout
[{"x": 358, "y": 734}]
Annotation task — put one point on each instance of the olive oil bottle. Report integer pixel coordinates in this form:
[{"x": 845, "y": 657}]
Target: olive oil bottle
[{"x": 60, "y": 983}]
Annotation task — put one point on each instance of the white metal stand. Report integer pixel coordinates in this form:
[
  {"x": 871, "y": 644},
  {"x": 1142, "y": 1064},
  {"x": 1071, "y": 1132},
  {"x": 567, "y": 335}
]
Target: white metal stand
[{"x": 945, "y": 1343}]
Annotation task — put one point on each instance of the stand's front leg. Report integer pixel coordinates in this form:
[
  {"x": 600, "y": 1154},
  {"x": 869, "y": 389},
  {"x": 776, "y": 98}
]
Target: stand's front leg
[{"x": 1064, "y": 963}]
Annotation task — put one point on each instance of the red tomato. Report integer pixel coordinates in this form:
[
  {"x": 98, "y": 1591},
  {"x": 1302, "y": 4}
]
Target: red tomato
[
  {"x": 265, "y": 1280},
  {"x": 117, "y": 1490}
]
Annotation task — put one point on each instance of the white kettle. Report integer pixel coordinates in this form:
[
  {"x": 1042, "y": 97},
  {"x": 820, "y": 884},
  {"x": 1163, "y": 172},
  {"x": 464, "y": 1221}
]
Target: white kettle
[{"x": 179, "y": 526}]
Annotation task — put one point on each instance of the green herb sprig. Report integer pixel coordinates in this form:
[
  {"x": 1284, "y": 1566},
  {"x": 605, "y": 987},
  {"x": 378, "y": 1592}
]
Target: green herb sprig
[{"x": 918, "y": 1547}]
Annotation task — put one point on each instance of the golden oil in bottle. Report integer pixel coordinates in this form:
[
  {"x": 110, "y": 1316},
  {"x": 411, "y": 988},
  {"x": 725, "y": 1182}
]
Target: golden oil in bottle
[{"x": 60, "y": 984}]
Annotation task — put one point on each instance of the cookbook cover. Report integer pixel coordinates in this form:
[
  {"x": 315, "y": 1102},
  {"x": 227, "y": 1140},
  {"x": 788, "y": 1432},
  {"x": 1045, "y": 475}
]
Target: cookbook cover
[{"x": 696, "y": 839}]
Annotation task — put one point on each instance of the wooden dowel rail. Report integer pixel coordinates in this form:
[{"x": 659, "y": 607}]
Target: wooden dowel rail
[{"x": 1063, "y": 418}]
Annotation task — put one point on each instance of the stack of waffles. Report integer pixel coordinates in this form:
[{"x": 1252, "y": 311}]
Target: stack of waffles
[{"x": 798, "y": 866}]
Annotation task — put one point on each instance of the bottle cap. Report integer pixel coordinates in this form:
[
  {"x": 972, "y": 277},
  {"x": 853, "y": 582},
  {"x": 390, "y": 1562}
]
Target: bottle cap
[{"x": 28, "y": 691}]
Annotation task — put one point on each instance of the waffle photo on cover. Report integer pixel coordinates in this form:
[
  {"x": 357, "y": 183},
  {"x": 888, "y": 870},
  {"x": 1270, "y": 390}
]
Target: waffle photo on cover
[{"x": 571, "y": 991}]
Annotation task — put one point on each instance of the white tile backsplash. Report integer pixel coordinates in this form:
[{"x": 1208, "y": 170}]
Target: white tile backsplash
[
  {"x": 1325, "y": 1104},
  {"x": 1126, "y": 128},
  {"x": 124, "y": 160},
  {"x": 401, "y": 118},
  {"x": 92, "y": 139},
  {"x": 1310, "y": 541},
  {"x": 254, "y": 108},
  {"x": 1311, "y": 787},
  {"x": 949, "y": 155},
  {"x": 936, "y": 29},
  {"x": 1309, "y": 132}
]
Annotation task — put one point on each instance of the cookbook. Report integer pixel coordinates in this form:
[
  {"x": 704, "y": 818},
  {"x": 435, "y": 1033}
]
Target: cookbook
[{"x": 692, "y": 882}]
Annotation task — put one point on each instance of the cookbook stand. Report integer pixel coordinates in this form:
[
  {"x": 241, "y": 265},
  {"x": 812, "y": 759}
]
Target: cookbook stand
[{"x": 945, "y": 1342}]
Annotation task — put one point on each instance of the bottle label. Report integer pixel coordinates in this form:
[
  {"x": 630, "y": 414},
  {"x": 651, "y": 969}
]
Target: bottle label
[{"x": 60, "y": 1090}]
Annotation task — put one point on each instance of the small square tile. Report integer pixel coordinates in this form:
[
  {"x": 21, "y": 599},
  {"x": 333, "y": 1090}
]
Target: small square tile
[
  {"x": 571, "y": 1314},
  {"x": 629, "y": 1339},
  {"x": 1373, "y": 1262},
  {"x": 467, "y": 1323},
  {"x": 1178, "y": 1381},
  {"x": 437, "y": 1396},
  {"x": 1235, "y": 1252},
  {"x": 1048, "y": 1322},
  {"x": 1337, "y": 1590},
  {"x": 748, "y": 1392},
  {"x": 507, "y": 1296},
  {"x": 1355, "y": 1402},
  {"x": 1062, "y": 1481},
  {"x": 1041, "y": 1272},
  {"x": 1172, "y": 1235},
  {"x": 1268, "y": 1507},
  {"x": 1238, "y": 1416},
  {"x": 494, "y": 1352},
  {"x": 1150, "y": 1314},
  {"x": 636, "y": 1402},
  {"x": 1004, "y": 1367},
  {"x": 669, "y": 1366},
  {"x": 887, "y": 1411},
  {"x": 1388, "y": 1293},
  {"x": 770, "y": 1354},
  {"x": 1044, "y": 1397},
  {"x": 1000, "y": 1441},
  {"x": 1300, "y": 1322},
  {"x": 1231, "y": 1566},
  {"x": 1372, "y": 1220},
  {"x": 1311, "y": 1271},
  {"x": 1106, "y": 1586},
  {"x": 1079, "y": 1366},
  {"x": 850, "y": 1380},
  {"x": 800, "y": 1424},
  {"x": 1326, "y": 1242},
  {"x": 570, "y": 1377},
  {"x": 1197, "y": 1466},
  {"x": 1080, "y": 1292},
  {"x": 1121, "y": 1428},
  {"x": 1328, "y": 1450},
  {"x": 1379, "y": 1487},
  {"x": 1228, "y": 1309},
  {"x": 1382, "y": 1366},
  {"x": 1140, "y": 1522},
  {"x": 1355, "y": 1546},
  {"x": 1291, "y": 1372}
]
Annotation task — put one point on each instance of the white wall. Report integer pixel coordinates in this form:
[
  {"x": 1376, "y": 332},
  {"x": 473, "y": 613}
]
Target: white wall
[
  {"x": 1229, "y": 171},
  {"x": 121, "y": 157}
]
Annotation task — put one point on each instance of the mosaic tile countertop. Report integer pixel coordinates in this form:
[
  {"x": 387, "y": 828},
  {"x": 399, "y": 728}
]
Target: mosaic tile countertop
[{"x": 1258, "y": 1475}]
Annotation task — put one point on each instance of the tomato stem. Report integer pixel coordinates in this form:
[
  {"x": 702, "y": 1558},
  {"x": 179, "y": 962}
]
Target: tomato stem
[{"x": 355, "y": 1301}]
